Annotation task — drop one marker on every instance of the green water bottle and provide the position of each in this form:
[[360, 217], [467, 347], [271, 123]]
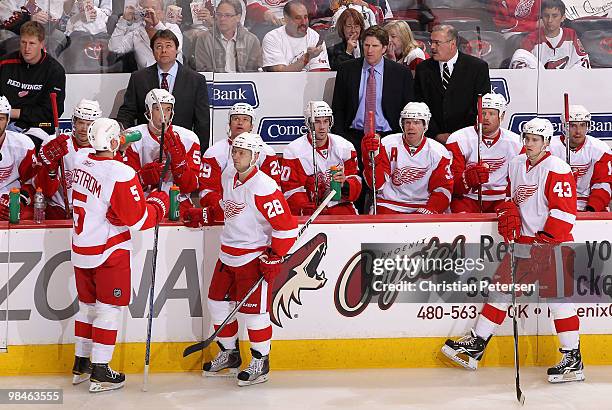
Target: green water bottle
[[335, 185], [174, 203], [130, 136], [14, 206]]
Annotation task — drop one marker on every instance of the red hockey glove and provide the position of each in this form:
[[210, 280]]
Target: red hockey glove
[[509, 221], [475, 175], [150, 173], [161, 201], [542, 250], [197, 217], [310, 187], [270, 265], [370, 143], [4, 207], [53, 152], [424, 211], [174, 147]]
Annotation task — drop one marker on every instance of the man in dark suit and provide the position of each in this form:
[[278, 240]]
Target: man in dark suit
[[449, 83], [188, 87], [393, 90]]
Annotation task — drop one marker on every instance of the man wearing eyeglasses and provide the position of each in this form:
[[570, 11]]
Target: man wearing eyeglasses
[[229, 47], [449, 83]]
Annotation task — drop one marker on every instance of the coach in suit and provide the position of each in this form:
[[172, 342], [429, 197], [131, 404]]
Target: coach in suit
[[191, 110], [449, 83], [394, 90]]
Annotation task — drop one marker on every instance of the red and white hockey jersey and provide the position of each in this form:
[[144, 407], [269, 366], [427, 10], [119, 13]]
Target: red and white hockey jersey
[[496, 153], [50, 186], [105, 190], [256, 217], [297, 166], [567, 53], [591, 165], [406, 181], [545, 194], [515, 15], [217, 158], [146, 150], [18, 163]]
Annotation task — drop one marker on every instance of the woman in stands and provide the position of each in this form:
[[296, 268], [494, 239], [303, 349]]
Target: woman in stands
[[402, 46], [349, 26]]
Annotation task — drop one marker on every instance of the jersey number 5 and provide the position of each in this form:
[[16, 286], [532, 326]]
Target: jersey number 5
[[563, 189], [79, 212], [274, 208]]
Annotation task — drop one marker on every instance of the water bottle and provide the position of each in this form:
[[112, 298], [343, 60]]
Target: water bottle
[[335, 185], [39, 206], [174, 203], [14, 205], [130, 136]]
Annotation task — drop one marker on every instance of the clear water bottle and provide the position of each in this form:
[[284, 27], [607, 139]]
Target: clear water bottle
[[39, 206]]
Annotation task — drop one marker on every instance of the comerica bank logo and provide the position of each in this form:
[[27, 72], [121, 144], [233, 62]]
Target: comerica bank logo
[[499, 86], [224, 94], [281, 130], [601, 123], [65, 126]]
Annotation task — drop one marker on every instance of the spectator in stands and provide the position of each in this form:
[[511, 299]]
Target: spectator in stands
[[229, 47], [515, 16], [87, 18], [402, 46], [294, 46], [191, 110], [263, 15], [136, 28], [449, 83], [557, 47], [370, 14], [27, 77], [349, 26]]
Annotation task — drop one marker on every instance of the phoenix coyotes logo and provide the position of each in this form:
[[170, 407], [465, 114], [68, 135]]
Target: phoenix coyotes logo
[[407, 175], [231, 209], [298, 272], [494, 163], [579, 171], [523, 193], [6, 172]]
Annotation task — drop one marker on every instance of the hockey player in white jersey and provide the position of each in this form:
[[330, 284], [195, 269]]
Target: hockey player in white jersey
[[541, 214], [217, 158], [108, 202], [590, 160], [298, 175], [498, 147], [259, 230], [413, 173], [18, 164], [181, 144], [64, 147]]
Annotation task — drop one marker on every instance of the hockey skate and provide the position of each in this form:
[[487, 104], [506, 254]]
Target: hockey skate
[[104, 378], [81, 370], [225, 364], [466, 351], [257, 372], [569, 369]]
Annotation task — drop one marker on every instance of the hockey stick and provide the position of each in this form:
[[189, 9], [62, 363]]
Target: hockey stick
[[205, 343], [479, 144], [155, 242], [311, 125], [519, 393], [566, 126], [373, 162], [53, 97]]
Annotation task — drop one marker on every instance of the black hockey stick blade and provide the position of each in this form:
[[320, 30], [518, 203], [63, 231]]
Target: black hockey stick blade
[[198, 346], [519, 394]]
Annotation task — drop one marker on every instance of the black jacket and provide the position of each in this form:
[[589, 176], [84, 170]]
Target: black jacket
[[190, 110], [454, 108], [28, 86], [337, 55]]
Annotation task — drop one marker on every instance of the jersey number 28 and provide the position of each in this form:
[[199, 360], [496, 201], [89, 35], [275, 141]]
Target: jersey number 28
[[274, 208]]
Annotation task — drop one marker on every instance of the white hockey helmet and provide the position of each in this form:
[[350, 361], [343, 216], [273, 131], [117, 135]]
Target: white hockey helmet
[[538, 126], [415, 111], [5, 106], [102, 132], [319, 109], [158, 95], [242, 109], [87, 110], [577, 113], [248, 140], [494, 101]]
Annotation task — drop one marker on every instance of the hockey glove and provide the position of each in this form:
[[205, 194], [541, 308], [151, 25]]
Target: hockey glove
[[174, 147], [370, 143], [270, 265], [53, 152], [424, 211], [475, 175], [161, 202], [542, 251], [4, 207], [509, 221], [150, 173], [310, 187], [196, 217]]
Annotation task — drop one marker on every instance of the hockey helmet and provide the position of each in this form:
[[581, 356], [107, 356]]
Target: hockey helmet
[[5, 106], [102, 132], [317, 109], [494, 101], [158, 95], [87, 110], [538, 126], [242, 109], [578, 113], [415, 111], [249, 141]]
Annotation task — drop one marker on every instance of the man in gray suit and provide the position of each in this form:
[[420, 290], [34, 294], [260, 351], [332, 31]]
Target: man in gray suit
[[191, 110]]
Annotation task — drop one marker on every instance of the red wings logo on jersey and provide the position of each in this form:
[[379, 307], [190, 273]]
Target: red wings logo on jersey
[[561, 63], [407, 175], [69, 174], [232, 209], [6, 172], [523, 8], [523, 193], [579, 171], [494, 163]]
